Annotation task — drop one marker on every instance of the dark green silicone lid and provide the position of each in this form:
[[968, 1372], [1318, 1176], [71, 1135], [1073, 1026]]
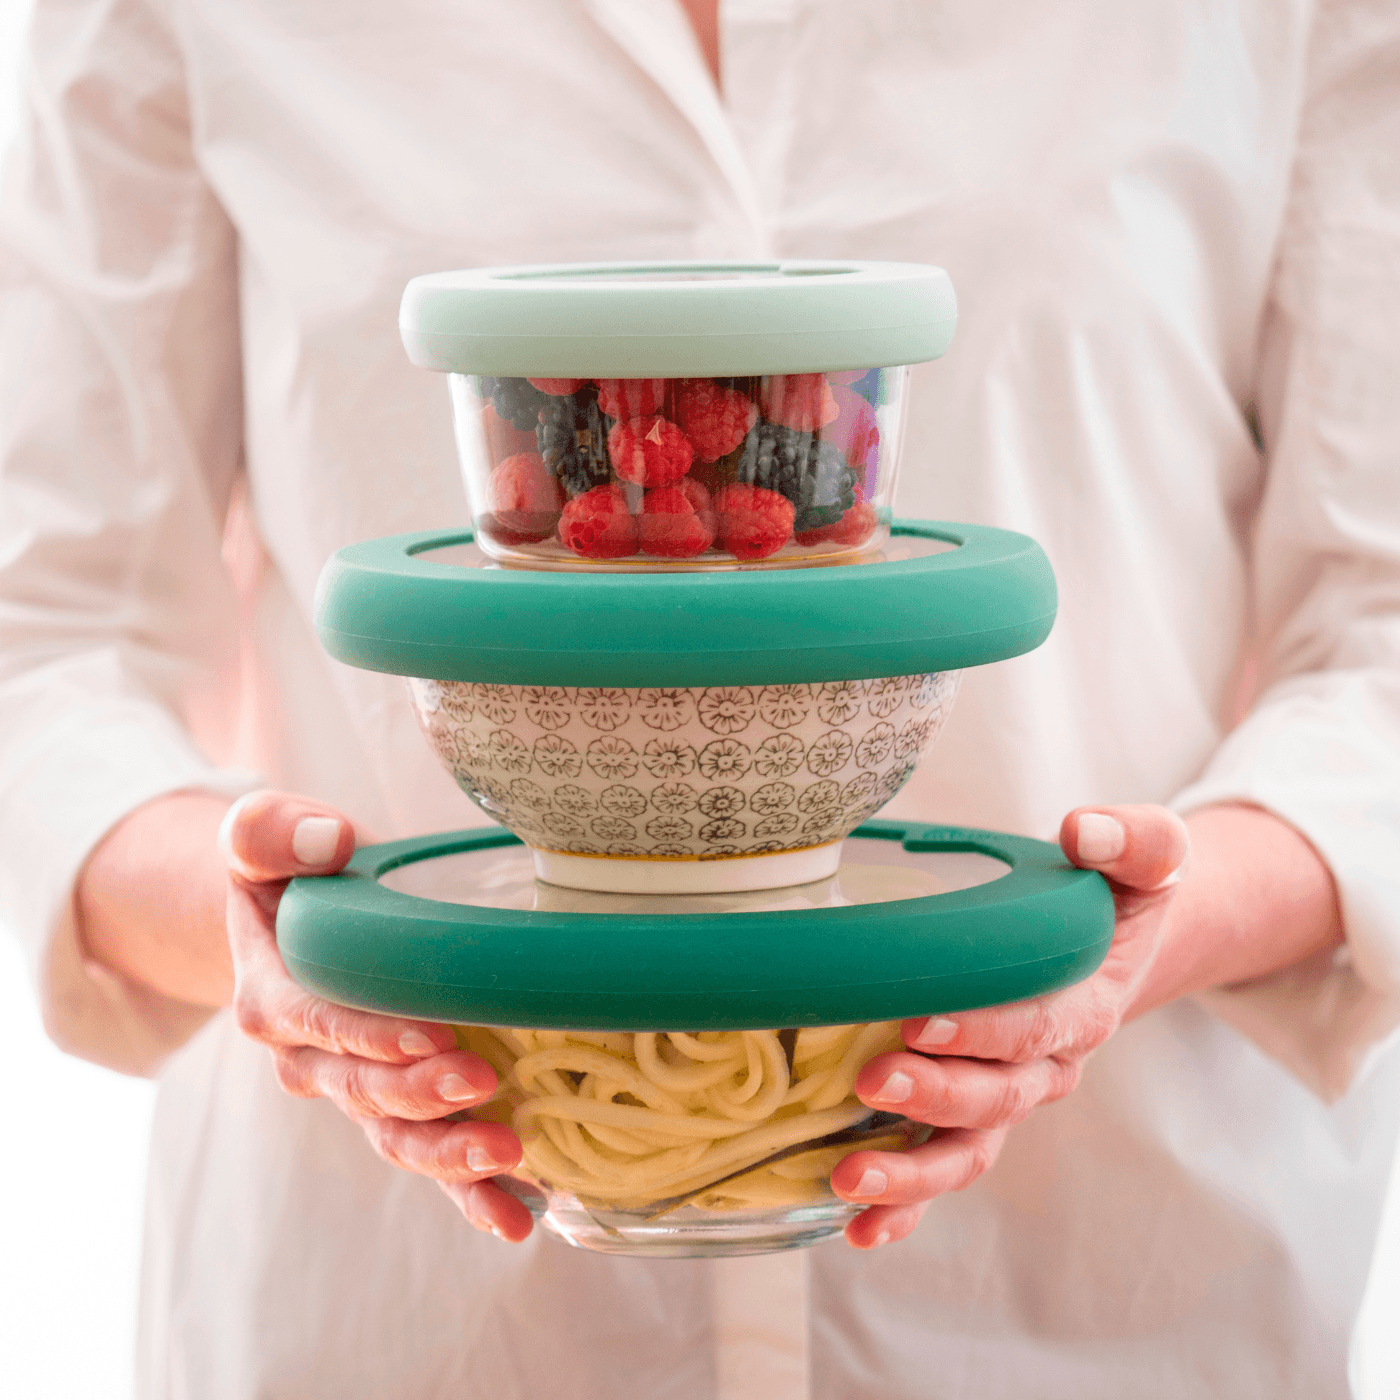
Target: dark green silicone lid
[[1043, 925], [383, 606]]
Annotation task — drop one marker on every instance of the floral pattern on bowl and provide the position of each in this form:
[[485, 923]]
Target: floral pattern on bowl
[[683, 772]]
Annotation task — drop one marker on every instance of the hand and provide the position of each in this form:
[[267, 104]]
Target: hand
[[398, 1079], [984, 1071]]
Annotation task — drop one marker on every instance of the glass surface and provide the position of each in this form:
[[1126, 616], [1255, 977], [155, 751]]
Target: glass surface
[[683, 1145], [672, 1145], [748, 472]]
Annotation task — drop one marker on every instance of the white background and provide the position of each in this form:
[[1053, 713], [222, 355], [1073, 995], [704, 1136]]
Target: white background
[[72, 1159]]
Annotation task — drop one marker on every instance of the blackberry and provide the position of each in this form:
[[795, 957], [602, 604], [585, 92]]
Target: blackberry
[[572, 436], [812, 474], [516, 400]]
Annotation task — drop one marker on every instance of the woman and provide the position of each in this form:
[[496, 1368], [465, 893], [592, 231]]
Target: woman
[[1153, 219]]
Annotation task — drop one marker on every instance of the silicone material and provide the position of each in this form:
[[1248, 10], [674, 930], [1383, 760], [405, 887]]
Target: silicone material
[[382, 607], [1043, 925], [663, 320]]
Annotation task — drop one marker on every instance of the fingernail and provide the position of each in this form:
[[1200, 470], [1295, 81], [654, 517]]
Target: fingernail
[[455, 1089], [1173, 879], [873, 1183], [1100, 838], [898, 1088], [417, 1044], [882, 1238], [314, 840], [479, 1159], [938, 1030], [498, 1232]]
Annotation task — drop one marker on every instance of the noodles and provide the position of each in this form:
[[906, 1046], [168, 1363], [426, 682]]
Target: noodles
[[628, 1121]]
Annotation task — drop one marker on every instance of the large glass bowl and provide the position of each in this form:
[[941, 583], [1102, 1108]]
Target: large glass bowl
[[697, 472], [671, 1144]]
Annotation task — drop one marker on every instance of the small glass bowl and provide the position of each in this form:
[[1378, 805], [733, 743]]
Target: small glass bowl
[[676, 1145], [693, 473]]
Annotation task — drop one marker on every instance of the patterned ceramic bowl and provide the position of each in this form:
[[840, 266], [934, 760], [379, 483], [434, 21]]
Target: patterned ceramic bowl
[[676, 790]]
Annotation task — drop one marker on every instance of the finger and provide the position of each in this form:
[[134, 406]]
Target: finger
[[491, 1209], [270, 1007], [460, 1152], [365, 1088], [1065, 1024], [949, 1161], [1139, 848], [883, 1225], [272, 836], [963, 1093]]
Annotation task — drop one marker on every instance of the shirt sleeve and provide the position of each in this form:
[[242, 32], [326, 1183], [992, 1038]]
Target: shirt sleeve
[[120, 441], [1320, 747]]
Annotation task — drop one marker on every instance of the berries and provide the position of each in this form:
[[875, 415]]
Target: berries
[[715, 419], [557, 387], [516, 400], [854, 528], [856, 434], [524, 500], [677, 467], [812, 474], [631, 398], [753, 522], [572, 438], [799, 401], [598, 524], [503, 438], [649, 451], [677, 522]]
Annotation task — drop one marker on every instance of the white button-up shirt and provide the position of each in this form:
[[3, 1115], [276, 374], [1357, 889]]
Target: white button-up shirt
[[1155, 215]]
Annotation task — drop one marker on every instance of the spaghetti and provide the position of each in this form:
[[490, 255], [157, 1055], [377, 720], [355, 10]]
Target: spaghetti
[[627, 1120]]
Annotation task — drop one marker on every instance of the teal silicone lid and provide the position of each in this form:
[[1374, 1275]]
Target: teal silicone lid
[[384, 606], [1043, 925], [662, 320]]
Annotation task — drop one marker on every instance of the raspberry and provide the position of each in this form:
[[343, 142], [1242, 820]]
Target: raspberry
[[557, 387], [649, 451], [598, 524], [800, 401], [716, 420], [677, 521], [630, 398], [524, 500], [853, 528], [753, 523], [843, 376], [856, 433]]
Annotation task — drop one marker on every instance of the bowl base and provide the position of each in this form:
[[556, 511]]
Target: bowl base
[[678, 875], [690, 1233]]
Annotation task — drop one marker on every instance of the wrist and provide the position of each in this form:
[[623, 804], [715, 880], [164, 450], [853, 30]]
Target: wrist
[[1255, 898], [149, 902]]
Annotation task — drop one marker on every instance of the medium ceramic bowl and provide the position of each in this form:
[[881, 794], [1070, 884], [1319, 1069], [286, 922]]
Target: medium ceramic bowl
[[685, 789]]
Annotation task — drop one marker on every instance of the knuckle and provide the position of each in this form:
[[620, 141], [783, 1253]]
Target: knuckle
[[355, 1096], [1038, 1033], [291, 1079], [1063, 1079], [1014, 1100], [977, 1159], [249, 1014]]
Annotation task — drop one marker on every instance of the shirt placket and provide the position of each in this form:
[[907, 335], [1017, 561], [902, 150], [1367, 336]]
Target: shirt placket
[[657, 36]]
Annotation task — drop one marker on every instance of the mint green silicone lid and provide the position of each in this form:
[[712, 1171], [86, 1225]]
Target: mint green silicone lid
[[663, 320], [1043, 925], [385, 606]]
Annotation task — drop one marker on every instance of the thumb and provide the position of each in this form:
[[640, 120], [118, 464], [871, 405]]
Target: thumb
[[1138, 848], [271, 836]]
